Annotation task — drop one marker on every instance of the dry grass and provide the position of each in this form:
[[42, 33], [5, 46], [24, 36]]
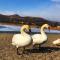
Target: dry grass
[[47, 51]]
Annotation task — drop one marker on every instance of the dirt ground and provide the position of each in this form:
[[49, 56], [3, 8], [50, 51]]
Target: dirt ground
[[48, 51]]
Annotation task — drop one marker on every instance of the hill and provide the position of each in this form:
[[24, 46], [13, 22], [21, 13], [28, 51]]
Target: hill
[[16, 19]]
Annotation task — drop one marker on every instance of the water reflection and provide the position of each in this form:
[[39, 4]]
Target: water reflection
[[17, 28], [9, 28], [1, 27]]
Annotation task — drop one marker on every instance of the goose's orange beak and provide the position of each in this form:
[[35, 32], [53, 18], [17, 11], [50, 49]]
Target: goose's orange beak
[[49, 28]]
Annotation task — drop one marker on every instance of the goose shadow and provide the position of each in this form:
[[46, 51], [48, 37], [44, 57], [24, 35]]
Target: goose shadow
[[43, 50]]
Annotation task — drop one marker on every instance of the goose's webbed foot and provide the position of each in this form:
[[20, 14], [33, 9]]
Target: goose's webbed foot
[[18, 51]]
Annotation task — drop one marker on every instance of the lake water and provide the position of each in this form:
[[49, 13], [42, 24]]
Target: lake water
[[5, 28]]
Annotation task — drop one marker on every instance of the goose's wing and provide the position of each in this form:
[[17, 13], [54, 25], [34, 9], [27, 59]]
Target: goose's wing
[[38, 38], [21, 40]]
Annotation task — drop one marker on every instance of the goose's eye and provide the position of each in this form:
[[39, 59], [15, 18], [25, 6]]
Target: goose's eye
[[45, 28], [26, 30]]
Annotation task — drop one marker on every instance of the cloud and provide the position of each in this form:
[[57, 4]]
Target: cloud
[[21, 13], [7, 12], [51, 13], [58, 5], [55, 0]]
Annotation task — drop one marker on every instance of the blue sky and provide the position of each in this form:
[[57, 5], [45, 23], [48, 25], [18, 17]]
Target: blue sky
[[49, 9]]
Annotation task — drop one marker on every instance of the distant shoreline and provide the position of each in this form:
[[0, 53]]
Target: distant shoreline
[[13, 32], [52, 28]]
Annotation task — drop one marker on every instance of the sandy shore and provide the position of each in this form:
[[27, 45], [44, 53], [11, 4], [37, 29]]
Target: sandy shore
[[48, 51]]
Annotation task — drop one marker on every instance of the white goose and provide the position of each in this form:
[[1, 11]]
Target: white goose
[[23, 39], [56, 42], [40, 38]]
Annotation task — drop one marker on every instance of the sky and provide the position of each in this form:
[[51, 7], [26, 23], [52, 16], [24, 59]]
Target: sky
[[49, 9]]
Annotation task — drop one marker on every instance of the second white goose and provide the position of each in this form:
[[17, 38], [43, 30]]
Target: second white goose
[[40, 38]]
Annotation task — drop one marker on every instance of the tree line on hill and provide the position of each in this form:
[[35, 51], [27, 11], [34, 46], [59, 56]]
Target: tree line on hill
[[16, 19]]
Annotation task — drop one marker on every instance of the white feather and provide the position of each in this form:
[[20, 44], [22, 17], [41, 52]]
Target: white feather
[[56, 42], [40, 38], [21, 40]]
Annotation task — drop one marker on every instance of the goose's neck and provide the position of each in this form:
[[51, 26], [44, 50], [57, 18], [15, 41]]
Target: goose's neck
[[22, 31], [42, 30]]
